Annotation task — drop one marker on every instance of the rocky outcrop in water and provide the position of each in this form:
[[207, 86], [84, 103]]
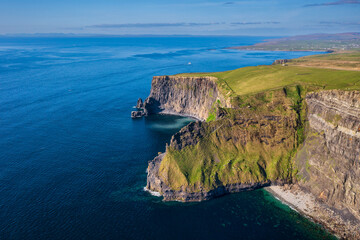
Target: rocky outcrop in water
[[137, 114], [187, 96], [139, 103], [140, 109]]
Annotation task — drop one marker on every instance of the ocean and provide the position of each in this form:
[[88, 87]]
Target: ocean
[[73, 163]]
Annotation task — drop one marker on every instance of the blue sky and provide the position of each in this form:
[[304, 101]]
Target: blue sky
[[197, 17]]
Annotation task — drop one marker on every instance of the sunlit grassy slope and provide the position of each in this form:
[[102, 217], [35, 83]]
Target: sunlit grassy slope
[[303, 71], [340, 61]]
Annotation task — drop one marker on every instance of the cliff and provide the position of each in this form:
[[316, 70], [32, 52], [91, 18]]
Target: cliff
[[265, 126], [285, 136], [247, 148], [189, 96], [329, 161]]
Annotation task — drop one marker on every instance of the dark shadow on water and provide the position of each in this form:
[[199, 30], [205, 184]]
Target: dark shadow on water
[[167, 123]]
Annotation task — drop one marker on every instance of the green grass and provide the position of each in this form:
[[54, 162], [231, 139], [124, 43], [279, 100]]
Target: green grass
[[351, 56], [220, 158], [211, 117], [340, 61], [250, 80]]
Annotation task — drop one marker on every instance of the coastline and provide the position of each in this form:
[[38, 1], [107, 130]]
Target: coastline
[[309, 206], [279, 50], [337, 222], [153, 193]]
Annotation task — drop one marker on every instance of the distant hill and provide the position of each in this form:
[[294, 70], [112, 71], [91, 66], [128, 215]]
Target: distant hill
[[323, 36], [312, 42]]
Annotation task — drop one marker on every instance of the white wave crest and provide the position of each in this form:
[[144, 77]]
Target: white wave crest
[[156, 194]]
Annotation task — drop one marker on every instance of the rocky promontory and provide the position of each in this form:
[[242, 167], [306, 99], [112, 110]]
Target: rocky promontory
[[273, 133], [187, 96], [209, 159]]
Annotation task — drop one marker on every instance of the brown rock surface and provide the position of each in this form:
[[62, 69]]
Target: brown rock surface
[[329, 162], [188, 96]]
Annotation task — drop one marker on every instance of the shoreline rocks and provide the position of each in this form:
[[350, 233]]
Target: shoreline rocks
[[137, 114], [306, 204]]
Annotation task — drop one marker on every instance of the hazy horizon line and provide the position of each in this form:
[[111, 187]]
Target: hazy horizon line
[[54, 34]]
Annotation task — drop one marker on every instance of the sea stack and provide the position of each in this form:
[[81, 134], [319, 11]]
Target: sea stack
[[139, 104], [140, 109]]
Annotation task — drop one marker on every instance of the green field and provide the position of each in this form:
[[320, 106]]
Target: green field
[[250, 80], [346, 56]]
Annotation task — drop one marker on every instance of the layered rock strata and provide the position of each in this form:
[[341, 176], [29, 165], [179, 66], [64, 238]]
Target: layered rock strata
[[329, 161], [187, 96]]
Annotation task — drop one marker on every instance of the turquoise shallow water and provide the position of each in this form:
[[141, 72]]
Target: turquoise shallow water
[[72, 161]]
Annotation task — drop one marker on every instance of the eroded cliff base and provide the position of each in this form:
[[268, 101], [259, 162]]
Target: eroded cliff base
[[156, 184], [341, 224]]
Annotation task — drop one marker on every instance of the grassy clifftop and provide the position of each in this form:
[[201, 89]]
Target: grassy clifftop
[[256, 140], [317, 72]]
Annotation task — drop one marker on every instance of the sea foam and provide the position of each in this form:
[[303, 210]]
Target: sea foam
[[154, 193]]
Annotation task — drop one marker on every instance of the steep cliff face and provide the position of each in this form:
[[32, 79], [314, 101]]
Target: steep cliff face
[[329, 162], [189, 96]]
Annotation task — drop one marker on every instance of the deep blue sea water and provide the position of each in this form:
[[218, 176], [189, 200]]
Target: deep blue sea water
[[72, 161]]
